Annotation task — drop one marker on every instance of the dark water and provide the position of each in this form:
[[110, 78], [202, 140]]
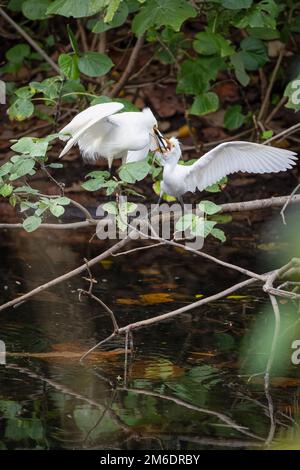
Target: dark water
[[187, 384]]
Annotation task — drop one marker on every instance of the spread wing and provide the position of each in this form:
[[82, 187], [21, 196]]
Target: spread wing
[[237, 156], [84, 121]]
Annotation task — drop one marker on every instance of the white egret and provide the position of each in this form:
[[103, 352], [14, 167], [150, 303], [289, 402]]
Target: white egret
[[100, 131], [226, 158]]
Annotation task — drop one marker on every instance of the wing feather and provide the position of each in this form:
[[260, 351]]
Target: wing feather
[[232, 157], [85, 120]]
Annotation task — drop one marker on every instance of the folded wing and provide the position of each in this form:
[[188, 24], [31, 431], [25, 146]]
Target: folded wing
[[92, 118], [237, 156]]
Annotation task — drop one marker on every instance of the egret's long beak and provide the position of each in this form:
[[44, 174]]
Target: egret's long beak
[[162, 147]]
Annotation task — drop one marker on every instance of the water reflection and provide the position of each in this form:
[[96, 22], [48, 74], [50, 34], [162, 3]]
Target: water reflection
[[187, 385]]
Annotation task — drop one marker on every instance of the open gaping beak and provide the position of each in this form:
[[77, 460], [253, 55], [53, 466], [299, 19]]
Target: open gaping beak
[[161, 142]]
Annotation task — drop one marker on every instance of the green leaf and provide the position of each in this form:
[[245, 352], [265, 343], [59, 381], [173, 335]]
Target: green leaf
[[35, 9], [94, 64], [6, 190], [219, 234], [239, 68], [209, 207], [254, 53], [111, 207], [55, 165], [73, 40], [94, 184], [208, 43], [234, 118], [135, 171], [113, 6], [18, 53], [31, 146], [68, 64], [62, 200], [26, 189], [21, 109], [119, 18], [194, 75], [21, 168], [32, 223], [217, 187], [25, 92], [205, 104], [236, 4], [162, 13], [292, 92], [99, 174], [76, 8], [5, 169], [56, 210]]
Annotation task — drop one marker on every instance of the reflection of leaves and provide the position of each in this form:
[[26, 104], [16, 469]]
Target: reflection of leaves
[[18, 429], [87, 418], [9, 408]]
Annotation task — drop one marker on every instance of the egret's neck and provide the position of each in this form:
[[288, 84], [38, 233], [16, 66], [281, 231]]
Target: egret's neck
[[171, 161]]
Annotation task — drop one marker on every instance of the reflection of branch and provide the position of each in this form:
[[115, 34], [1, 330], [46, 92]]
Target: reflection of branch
[[192, 407], [219, 442]]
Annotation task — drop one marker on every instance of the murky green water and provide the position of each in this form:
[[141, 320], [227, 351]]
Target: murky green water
[[187, 385]]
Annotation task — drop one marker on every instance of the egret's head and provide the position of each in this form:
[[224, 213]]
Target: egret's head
[[173, 152], [149, 118]]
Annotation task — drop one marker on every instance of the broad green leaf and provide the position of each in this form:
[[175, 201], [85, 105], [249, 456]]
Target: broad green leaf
[[205, 104], [113, 6], [62, 200], [26, 189], [18, 53], [208, 43], [68, 64], [32, 223], [25, 92], [21, 109], [31, 146], [209, 207], [135, 171], [94, 184], [159, 13], [254, 53], [99, 174], [292, 92], [194, 75], [119, 18], [21, 168], [239, 68], [219, 234], [35, 9], [94, 64], [234, 118], [6, 190], [111, 207], [5, 169], [57, 210], [76, 8]]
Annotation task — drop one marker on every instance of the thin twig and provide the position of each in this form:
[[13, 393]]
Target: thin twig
[[33, 44], [128, 69]]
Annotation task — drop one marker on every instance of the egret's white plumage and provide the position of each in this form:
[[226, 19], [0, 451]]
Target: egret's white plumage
[[226, 158], [100, 131]]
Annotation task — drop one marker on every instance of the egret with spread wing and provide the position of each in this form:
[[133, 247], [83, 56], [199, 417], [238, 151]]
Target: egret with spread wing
[[223, 160], [101, 131]]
